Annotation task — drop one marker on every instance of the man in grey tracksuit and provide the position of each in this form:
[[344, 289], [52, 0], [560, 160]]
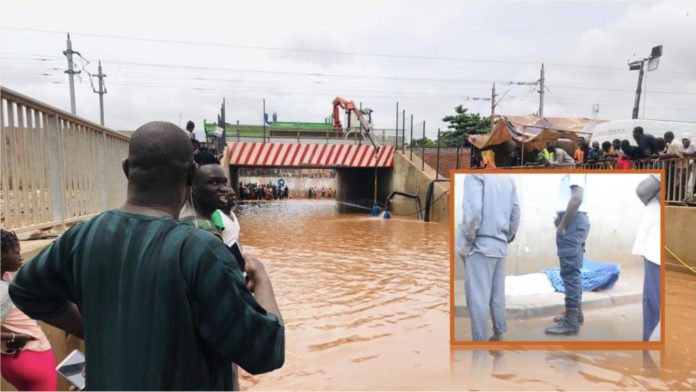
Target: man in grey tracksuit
[[491, 218]]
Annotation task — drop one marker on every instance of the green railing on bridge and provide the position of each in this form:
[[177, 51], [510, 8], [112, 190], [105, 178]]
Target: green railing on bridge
[[57, 168]]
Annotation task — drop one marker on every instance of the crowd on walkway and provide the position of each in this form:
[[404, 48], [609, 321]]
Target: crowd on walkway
[[285, 173], [254, 191], [323, 193], [678, 157], [622, 152]]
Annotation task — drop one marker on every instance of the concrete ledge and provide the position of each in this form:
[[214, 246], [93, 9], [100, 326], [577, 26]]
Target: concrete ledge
[[31, 248], [628, 290]]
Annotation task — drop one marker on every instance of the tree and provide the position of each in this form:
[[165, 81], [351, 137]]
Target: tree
[[463, 124], [422, 142]]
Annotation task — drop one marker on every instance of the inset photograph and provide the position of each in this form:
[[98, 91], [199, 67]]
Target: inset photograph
[[540, 257]]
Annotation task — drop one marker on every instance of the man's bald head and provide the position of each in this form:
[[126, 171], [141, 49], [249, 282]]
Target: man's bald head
[[160, 157]]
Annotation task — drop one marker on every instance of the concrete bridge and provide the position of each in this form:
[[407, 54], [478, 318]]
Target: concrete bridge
[[360, 168]]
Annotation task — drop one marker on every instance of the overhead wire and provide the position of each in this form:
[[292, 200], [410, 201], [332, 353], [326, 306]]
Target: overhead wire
[[332, 52]]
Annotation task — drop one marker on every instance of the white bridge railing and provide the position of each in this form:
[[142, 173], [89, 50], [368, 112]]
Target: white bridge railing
[[56, 168]]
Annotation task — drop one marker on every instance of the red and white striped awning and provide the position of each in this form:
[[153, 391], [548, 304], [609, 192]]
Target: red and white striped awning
[[308, 155]]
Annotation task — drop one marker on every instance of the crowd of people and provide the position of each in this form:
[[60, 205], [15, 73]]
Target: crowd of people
[[284, 173], [159, 288], [324, 193], [622, 152], [254, 191]]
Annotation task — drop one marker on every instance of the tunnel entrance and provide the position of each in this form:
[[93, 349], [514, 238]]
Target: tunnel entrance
[[301, 183]]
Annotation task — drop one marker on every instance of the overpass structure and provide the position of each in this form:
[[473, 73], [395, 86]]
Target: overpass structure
[[363, 172], [294, 155]]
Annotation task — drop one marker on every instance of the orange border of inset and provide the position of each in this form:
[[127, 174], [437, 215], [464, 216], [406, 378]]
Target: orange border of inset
[[560, 345]]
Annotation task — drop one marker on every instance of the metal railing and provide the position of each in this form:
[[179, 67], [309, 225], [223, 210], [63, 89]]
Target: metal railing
[[680, 174], [381, 136], [56, 168]]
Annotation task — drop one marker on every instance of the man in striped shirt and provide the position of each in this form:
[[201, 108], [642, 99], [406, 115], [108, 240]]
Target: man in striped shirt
[[161, 304]]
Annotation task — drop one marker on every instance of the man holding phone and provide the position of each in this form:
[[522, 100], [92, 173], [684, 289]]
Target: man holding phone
[[161, 305]]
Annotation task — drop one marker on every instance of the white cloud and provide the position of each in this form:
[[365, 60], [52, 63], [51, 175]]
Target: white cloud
[[296, 84]]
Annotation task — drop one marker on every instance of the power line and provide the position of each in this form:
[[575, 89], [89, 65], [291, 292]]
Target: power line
[[372, 77], [332, 52]]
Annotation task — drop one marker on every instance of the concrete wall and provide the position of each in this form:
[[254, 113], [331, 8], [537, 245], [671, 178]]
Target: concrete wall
[[448, 158], [680, 233], [408, 177], [614, 212], [356, 186]]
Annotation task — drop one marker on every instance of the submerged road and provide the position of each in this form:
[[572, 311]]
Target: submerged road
[[366, 306]]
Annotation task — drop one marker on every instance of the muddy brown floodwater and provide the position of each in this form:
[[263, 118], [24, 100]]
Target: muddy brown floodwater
[[366, 306]]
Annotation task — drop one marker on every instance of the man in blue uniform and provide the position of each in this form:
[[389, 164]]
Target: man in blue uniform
[[572, 228]]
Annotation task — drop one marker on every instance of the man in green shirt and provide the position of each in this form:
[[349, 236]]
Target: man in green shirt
[[161, 305]]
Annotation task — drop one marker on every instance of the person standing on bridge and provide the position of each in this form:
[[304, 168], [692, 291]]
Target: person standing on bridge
[[28, 362], [189, 130], [491, 218], [165, 305], [210, 206]]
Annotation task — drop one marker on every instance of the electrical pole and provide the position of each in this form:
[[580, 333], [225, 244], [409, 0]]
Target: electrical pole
[[68, 53], [102, 91], [541, 92], [492, 105]]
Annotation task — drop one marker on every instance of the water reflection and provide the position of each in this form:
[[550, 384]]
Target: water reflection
[[578, 370], [365, 301]]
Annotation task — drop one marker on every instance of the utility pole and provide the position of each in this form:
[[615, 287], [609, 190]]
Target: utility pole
[[403, 132], [541, 92], [102, 91], [492, 105], [68, 53]]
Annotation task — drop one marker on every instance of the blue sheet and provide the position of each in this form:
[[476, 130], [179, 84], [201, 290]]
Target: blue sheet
[[596, 275]]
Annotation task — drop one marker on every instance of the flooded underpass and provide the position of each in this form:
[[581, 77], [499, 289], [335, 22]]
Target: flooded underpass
[[366, 306]]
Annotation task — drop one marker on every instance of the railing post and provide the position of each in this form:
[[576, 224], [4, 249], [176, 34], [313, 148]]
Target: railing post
[[410, 141], [55, 168], [103, 172], [437, 164], [423, 148]]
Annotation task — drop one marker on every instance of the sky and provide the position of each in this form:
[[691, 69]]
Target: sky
[[176, 61]]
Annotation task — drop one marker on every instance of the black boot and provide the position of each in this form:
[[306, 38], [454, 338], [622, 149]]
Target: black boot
[[569, 325], [560, 317]]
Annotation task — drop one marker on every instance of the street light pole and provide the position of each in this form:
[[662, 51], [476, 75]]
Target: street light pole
[[636, 102], [639, 65]]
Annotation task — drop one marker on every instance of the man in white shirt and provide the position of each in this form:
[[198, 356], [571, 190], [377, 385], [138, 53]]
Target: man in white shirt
[[572, 229], [687, 150], [560, 155], [647, 245]]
